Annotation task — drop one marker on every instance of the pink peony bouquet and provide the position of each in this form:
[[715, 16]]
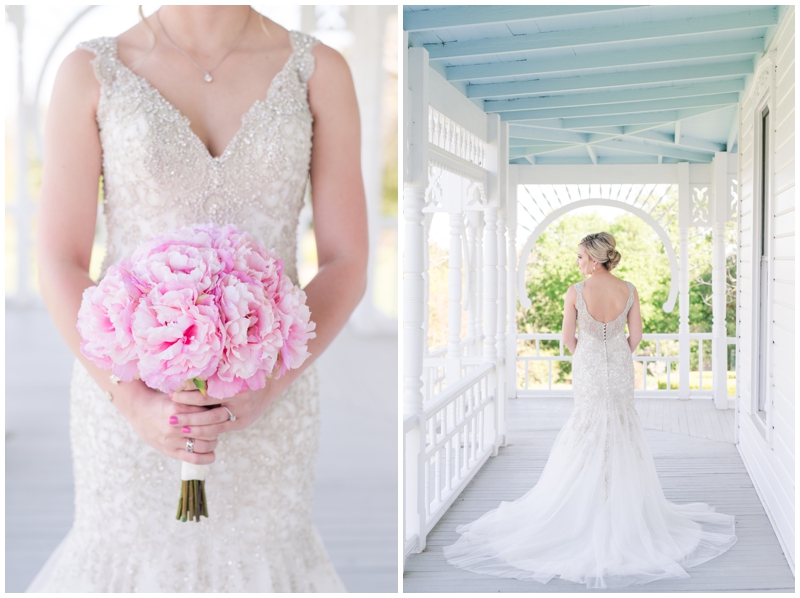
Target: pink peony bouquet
[[201, 306]]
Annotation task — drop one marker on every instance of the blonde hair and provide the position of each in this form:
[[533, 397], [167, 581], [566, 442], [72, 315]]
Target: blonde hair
[[601, 248]]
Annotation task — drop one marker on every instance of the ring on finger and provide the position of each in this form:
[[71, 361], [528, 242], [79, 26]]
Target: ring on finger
[[190, 445], [231, 416]]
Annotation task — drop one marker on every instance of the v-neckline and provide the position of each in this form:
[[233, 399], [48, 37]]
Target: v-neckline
[[185, 119], [624, 309]]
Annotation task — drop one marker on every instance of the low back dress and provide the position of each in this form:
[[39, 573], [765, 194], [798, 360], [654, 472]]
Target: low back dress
[[598, 515]]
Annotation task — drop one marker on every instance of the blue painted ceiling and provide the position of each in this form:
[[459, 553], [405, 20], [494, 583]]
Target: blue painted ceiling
[[600, 84]]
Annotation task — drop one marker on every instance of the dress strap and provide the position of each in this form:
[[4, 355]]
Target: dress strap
[[629, 304], [105, 51], [302, 44]]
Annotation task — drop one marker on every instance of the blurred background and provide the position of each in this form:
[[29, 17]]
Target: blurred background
[[356, 484]]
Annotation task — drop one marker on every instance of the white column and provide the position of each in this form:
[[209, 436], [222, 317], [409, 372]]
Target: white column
[[718, 212], [415, 115], [23, 207], [471, 285], [368, 24], [502, 282], [684, 222], [490, 284], [454, 295], [511, 285], [479, 285]]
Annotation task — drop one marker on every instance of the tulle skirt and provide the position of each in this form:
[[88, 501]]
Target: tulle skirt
[[597, 516]]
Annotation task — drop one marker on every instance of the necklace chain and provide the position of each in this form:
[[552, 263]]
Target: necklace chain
[[207, 78]]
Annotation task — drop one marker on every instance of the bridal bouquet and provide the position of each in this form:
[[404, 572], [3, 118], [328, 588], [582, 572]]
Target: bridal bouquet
[[201, 307]]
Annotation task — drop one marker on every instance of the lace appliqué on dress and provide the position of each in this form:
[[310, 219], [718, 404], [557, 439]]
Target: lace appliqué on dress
[[597, 515], [259, 536]]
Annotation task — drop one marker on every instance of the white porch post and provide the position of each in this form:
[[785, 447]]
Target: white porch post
[[684, 222], [414, 186], [23, 208], [718, 212], [471, 273], [502, 364], [511, 284], [454, 295]]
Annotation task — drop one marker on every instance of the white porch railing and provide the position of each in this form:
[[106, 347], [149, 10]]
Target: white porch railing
[[455, 433], [655, 362]]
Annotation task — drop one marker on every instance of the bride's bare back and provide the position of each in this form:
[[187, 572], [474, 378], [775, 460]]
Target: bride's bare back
[[605, 297]]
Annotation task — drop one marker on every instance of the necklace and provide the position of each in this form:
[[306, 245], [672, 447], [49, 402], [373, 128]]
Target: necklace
[[208, 78]]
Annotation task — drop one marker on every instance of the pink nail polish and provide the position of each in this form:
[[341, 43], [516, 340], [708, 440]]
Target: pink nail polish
[[173, 420], [186, 429]]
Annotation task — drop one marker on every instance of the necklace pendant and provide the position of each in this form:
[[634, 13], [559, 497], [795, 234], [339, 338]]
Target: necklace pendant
[[208, 78]]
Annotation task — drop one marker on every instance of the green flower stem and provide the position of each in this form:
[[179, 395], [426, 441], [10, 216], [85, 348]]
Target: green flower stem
[[185, 499]]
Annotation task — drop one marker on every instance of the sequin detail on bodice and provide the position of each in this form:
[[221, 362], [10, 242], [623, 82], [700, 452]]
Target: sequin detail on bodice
[[158, 175], [259, 536]]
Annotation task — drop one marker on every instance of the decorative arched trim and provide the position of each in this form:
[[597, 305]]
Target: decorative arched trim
[[668, 306]]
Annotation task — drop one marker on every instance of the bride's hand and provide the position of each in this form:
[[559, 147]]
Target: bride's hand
[[212, 421], [151, 414]]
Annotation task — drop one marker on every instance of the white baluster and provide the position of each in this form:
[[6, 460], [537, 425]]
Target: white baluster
[[471, 286], [684, 222], [454, 291], [490, 285]]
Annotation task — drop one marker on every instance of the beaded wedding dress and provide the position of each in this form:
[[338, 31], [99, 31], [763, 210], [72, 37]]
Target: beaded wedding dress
[[259, 537], [597, 515]]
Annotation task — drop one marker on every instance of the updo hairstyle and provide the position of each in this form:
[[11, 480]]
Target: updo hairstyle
[[601, 248]]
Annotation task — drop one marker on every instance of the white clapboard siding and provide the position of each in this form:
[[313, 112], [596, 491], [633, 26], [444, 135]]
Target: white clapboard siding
[[770, 461]]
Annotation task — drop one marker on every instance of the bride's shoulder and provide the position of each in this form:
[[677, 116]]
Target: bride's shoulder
[[330, 84], [76, 81]]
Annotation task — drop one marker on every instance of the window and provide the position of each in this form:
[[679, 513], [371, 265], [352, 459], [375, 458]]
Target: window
[[762, 264]]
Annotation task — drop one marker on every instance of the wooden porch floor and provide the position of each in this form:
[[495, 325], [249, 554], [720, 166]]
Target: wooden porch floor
[[696, 461], [355, 498]]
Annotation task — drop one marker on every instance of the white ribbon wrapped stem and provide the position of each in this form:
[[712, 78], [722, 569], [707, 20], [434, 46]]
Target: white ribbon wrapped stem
[[190, 471]]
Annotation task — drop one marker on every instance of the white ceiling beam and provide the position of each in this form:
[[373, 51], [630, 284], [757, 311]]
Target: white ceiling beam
[[690, 142], [623, 79], [594, 60], [570, 38], [721, 99], [461, 16], [538, 150], [653, 136], [545, 134], [644, 118], [592, 155], [656, 150], [520, 143], [611, 97]]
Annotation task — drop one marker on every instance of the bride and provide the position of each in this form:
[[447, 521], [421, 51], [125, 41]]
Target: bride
[[597, 515], [198, 114]]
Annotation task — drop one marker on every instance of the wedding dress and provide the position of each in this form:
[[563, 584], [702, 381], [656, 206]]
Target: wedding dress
[[597, 515], [158, 175]]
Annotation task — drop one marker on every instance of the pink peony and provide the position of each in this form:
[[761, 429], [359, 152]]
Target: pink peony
[[104, 322], [172, 262], [178, 335], [201, 302], [296, 326], [253, 338]]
